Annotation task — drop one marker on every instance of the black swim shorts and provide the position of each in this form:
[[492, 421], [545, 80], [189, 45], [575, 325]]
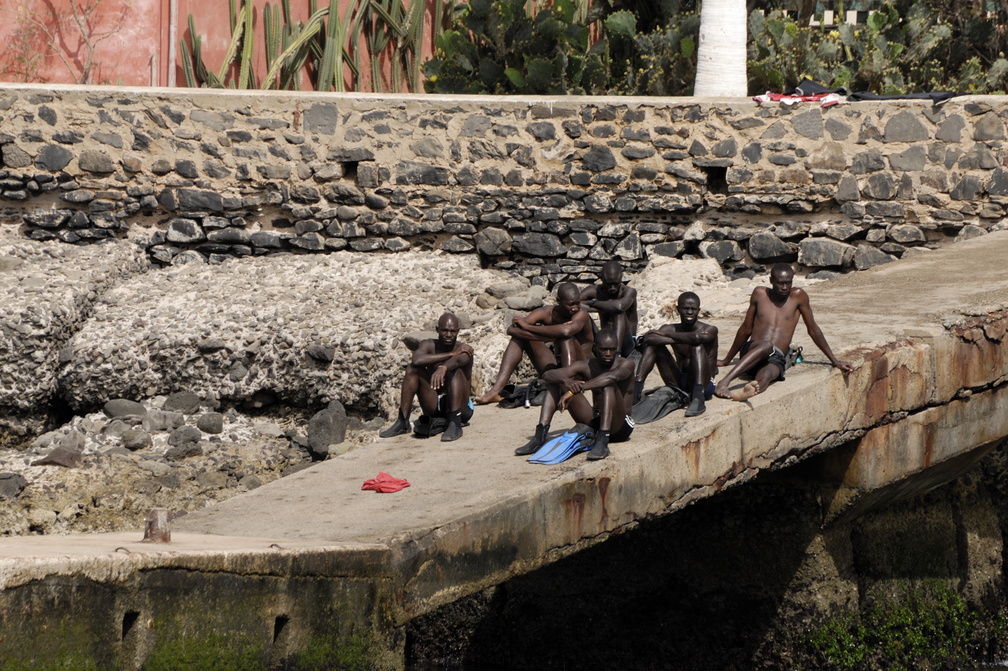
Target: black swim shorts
[[621, 433], [467, 408], [776, 357]]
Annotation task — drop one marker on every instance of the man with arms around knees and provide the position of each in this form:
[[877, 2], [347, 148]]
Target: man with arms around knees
[[766, 332], [609, 377], [440, 376], [565, 325], [686, 354], [615, 303]]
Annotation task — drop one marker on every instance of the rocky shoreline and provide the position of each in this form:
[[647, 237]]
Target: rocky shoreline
[[231, 374]]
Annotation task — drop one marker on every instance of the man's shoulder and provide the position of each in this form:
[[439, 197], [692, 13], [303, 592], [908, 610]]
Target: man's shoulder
[[799, 296]]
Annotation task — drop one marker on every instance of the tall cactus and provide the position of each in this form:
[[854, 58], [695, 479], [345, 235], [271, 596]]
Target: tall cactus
[[332, 48]]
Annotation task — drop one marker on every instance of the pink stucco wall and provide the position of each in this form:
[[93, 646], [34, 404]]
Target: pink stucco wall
[[136, 50]]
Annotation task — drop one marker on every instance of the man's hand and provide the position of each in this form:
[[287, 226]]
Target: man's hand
[[723, 362], [572, 390], [844, 367], [520, 322], [462, 348], [438, 376]]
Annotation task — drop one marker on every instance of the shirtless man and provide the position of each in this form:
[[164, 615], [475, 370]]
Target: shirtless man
[[766, 332], [440, 376], [615, 303], [608, 376], [564, 324], [694, 346]]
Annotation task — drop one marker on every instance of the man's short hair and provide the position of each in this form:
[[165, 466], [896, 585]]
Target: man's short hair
[[606, 334], [612, 267], [686, 295], [568, 288], [782, 268], [448, 316]]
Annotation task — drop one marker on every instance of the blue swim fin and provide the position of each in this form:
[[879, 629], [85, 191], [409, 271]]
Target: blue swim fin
[[564, 446]]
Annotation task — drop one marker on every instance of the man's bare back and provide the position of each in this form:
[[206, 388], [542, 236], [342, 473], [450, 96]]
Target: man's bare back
[[766, 333]]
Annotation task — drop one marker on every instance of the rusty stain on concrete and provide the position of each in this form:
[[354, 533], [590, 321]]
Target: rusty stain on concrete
[[575, 506], [603, 488]]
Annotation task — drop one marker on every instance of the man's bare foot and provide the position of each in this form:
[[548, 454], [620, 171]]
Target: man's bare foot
[[487, 398], [746, 392], [721, 390]]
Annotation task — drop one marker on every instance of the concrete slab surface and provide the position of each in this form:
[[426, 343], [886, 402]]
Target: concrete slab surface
[[456, 485]]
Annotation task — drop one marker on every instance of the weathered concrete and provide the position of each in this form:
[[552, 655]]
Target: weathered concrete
[[925, 336]]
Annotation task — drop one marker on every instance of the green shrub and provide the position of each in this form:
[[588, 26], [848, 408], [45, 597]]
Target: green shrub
[[929, 627], [503, 47]]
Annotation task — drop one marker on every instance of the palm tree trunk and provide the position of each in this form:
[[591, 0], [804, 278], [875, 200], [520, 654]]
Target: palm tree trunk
[[721, 55]]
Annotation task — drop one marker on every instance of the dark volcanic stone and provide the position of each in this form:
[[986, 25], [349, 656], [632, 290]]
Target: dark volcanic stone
[[822, 252], [53, 157], [808, 124], [185, 231], [966, 189], [210, 422], [538, 244], [410, 172], [121, 407], [765, 246], [321, 118], [61, 456], [868, 256], [184, 450], [326, 427], [95, 161], [598, 159], [11, 485], [184, 434], [200, 199], [182, 401], [136, 439], [904, 127], [493, 242], [951, 129]]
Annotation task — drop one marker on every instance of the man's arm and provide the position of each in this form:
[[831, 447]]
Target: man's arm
[[669, 335], [618, 373], [805, 309], [566, 377], [425, 356], [743, 333], [520, 325], [617, 305], [559, 331], [461, 357]]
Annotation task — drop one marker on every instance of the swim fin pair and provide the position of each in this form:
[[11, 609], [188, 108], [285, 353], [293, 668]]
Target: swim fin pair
[[564, 446]]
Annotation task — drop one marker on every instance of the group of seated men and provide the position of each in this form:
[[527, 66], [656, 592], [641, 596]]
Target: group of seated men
[[589, 358]]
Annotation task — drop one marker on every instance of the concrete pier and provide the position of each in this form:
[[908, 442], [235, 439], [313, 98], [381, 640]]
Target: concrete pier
[[310, 565]]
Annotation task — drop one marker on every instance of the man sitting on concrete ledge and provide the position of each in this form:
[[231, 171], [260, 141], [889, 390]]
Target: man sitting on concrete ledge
[[564, 324], [440, 376], [765, 335], [608, 376], [686, 354], [615, 303]]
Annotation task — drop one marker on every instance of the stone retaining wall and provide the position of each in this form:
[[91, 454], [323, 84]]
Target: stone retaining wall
[[550, 187]]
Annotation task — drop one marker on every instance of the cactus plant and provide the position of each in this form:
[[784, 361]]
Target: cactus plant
[[332, 48]]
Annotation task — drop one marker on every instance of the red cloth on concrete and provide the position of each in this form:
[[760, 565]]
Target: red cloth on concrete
[[384, 484]]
